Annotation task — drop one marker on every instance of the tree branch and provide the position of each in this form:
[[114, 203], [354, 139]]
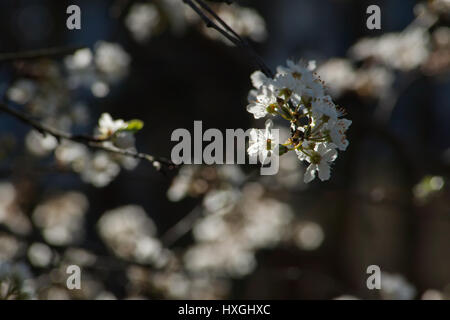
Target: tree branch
[[203, 10], [92, 142], [39, 53]]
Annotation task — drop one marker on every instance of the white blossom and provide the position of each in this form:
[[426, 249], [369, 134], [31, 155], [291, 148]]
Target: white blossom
[[262, 142], [337, 131], [324, 106], [264, 100], [320, 160], [107, 126]]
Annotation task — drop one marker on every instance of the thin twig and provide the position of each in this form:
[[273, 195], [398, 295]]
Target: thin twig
[[182, 227], [209, 23], [44, 129], [89, 141], [39, 53], [223, 28]]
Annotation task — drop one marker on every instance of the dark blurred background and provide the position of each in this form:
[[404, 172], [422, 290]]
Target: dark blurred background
[[369, 212]]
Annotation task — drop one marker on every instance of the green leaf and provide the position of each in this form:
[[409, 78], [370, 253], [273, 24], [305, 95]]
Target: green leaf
[[134, 125]]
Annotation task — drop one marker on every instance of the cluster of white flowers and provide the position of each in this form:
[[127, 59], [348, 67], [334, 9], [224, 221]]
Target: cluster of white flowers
[[297, 95]]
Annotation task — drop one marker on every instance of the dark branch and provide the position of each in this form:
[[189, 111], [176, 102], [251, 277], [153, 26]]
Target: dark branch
[[203, 10], [39, 53], [89, 141]]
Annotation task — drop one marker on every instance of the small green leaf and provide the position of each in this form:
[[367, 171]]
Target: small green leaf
[[134, 125]]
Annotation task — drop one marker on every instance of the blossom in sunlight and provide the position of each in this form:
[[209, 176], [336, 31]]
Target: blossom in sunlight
[[265, 102], [320, 159], [297, 95], [324, 106], [107, 126], [119, 132], [337, 130]]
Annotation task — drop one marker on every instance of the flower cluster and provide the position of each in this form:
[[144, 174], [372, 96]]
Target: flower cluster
[[297, 95]]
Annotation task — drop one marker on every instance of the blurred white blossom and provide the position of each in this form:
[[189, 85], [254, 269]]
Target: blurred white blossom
[[39, 144], [22, 91], [61, 218], [39, 254], [396, 287], [405, 51], [111, 59], [100, 170], [130, 233], [141, 20]]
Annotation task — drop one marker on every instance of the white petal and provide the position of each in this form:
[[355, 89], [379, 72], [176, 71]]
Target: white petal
[[253, 149], [259, 79], [252, 96], [345, 123], [269, 124], [257, 109], [330, 155], [324, 171], [310, 173]]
